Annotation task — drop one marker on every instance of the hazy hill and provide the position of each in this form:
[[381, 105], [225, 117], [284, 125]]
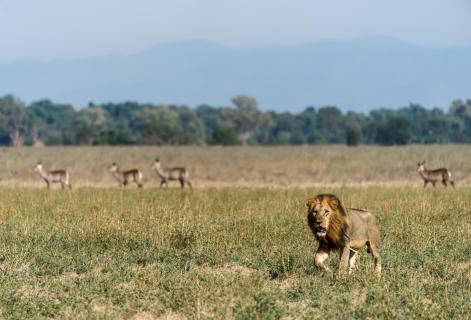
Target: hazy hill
[[357, 75]]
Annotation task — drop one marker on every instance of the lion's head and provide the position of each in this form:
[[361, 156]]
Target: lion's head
[[325, 215]]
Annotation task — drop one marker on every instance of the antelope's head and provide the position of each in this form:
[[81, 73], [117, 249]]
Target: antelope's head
[[113, 168], [421, 166], [38, 167], [156, 163], [321, 210]]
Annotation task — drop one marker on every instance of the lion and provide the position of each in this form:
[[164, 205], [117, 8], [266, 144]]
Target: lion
[[344, 230]]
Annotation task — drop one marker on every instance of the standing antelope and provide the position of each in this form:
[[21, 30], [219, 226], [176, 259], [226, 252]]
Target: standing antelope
[[171, 174], [54, 176], [435, 175], [126, 177]]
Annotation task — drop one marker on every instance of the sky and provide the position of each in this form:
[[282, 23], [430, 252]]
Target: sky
[[59, 29]]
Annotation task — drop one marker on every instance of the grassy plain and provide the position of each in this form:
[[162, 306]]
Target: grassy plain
[[238, 245], [224, 253], [304, 166]]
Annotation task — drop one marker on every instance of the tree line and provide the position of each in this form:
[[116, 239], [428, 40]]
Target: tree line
[[127, 123]]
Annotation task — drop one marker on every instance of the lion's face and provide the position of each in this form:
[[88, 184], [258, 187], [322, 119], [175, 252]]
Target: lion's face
[[322, 208]]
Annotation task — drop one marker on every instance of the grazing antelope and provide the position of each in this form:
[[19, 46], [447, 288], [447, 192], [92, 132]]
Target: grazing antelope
[[126, 177], [54, 176], [435, 175], [171, 174]]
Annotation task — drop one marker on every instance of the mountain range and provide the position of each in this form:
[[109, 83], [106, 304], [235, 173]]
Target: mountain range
[[355, 75]]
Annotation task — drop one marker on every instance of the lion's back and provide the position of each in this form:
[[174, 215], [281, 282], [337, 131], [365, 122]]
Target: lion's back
[[364, 225]]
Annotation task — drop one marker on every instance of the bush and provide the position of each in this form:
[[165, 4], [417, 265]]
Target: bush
[[158, 132], [353, 136], [395, 131], [54, 141], [225, 136]]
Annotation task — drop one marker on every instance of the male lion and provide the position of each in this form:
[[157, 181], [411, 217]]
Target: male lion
[[345, 230]]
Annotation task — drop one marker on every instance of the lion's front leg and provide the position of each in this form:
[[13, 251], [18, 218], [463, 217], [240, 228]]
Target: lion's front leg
[[344, 257], [321, 256], [352, 260]]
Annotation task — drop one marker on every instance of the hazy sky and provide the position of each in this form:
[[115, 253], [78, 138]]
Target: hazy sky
[[48, 29]]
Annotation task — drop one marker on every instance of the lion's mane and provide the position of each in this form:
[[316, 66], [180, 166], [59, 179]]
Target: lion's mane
[[335, 237]]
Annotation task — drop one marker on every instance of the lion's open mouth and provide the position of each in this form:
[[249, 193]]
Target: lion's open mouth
[[321, 232]]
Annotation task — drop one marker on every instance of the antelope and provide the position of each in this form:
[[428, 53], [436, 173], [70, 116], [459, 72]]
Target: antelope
[[54, 176], [171, 174], [126, 177], [435, 175]]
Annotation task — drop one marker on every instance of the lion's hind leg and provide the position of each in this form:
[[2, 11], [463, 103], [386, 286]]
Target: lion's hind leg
[[375, 252], [319, 259]]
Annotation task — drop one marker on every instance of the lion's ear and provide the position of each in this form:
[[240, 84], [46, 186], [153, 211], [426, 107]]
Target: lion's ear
[[311, 203], [334, 203]]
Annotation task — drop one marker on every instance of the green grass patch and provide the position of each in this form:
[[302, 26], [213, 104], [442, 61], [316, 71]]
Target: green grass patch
[[226, 253]]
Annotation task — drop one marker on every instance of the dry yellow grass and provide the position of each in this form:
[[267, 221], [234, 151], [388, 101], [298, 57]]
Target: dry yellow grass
[[302, 166]]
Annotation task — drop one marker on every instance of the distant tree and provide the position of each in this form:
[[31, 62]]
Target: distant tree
[[83, 134], [49, 121], [95, 117], [158, 133], [244, 123], [225, 136], [329, 117], [245, 103], [297, 138], [122, 114], [285, 125], [307, 124], [460, 108], [54, 141], [330, 125], [13, 119], [353, 136], [395, 131], [191, 127], [114, 137], [283, 137], [247, 119]]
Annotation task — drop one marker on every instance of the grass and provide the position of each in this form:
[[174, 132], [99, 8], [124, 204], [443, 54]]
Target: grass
[[223, 253], [303, 166]]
